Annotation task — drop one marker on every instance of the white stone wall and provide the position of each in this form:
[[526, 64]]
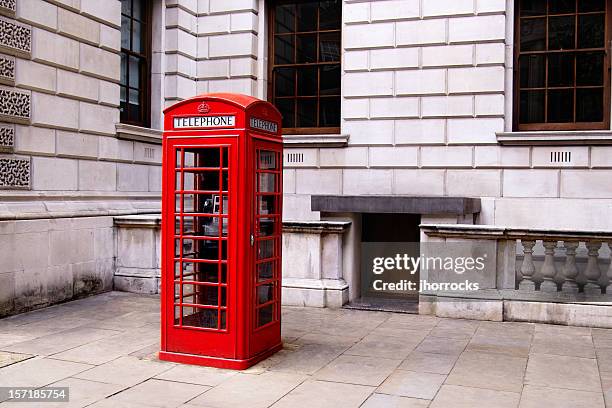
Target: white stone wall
[[211, 46], [425, 87]]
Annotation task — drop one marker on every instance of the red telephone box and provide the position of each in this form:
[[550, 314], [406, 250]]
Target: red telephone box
[[221, 231]]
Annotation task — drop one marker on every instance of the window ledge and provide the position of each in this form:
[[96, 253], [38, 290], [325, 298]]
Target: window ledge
[[579, 137], [141, 134], [315, 140]]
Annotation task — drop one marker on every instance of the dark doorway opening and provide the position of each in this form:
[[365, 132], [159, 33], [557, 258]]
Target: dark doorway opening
[[388, 235]]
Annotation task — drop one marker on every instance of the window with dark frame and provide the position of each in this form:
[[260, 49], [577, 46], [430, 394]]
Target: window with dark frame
[[562, 78], [305, 64], [135, 102]]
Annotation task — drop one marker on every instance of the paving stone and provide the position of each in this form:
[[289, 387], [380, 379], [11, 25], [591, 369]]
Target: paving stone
[[37, 372], [126, 371], [518, 346], [197, 375], [248, 390], [322, 394], [393, 401], [58, 342], [159, 393], [454, 329], [384, 346], [563, 344], [563, 372], [534, 396], [6, 358], [429, 362], [484, 370], [308, 358], [453, 396], [440, 345], [358, 370], [412, 384], [554, 329]]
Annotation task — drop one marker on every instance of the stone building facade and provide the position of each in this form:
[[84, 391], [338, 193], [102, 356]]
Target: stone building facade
[[427, 92]]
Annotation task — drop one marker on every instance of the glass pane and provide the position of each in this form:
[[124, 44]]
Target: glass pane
[[329, 112], [201, 203], [124, 69], [591, 31], [223, 322], [202, 226], [533, 34], [209, 157], [330, 13], [284, 49], [329, 47], [560, 69], [266, 227], [265, 293], [200, 317], [123, 95], [126, 7], [134, 97], [561, 33], [134, 72], [265, 271], [306, 45], [203, 180], [589, 105], [307, 81], [134, 112], [307, 16], [284, 19], [265, 315], [125, 32], [307, 112], [201, 272], [585, 6], [561, 6], [561, 106], [267, 160], [284, 82], [330, 80], [265, 249], [138, 9], [590, 68], [532, 71], [266, 182], [533, 7], [287, 110], [267, 205], [137, 36], [532, 107]]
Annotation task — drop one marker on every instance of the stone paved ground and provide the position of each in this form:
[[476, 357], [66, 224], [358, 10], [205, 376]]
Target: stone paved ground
[[103, 348]]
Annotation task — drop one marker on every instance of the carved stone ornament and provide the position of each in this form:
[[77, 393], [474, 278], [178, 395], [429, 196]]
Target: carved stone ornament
[[15, 38], [14, 173], [15, 106], [8, 7], [7, 137], [7, 69]]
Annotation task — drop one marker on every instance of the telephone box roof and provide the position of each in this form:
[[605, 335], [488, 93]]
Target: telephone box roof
[[239, 100]]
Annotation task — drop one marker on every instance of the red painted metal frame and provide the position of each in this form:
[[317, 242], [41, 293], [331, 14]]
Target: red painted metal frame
[[240, 343]]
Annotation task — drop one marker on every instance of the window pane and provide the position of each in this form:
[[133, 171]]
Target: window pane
[[306, 48], [307, 16], [265, 271], [134, 72], [287, 110], [591, 31], [285, 19], [307, 112], [330, 15], [533, 7], [124, 69], [561, 6], [330, 80], [125, 32], [532, 71], [307, 81], [137, 11], [585, 6], [329, 112], [123, 94], [126, 7], [561, 33], [265, 315], [533, 34], [284, 49], [560, 70], [590, 68], [137, 36], [589, 105], [329, 47], [134, 97], [561, 106], [532, 107], [265, 293], [284, 82]]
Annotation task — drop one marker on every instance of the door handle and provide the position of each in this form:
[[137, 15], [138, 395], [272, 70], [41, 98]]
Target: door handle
[[252, 240]]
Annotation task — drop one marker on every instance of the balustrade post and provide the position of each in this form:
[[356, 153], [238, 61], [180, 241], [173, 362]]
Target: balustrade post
[[527, 268], [592, 271], [548, 268], [570, 270]]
